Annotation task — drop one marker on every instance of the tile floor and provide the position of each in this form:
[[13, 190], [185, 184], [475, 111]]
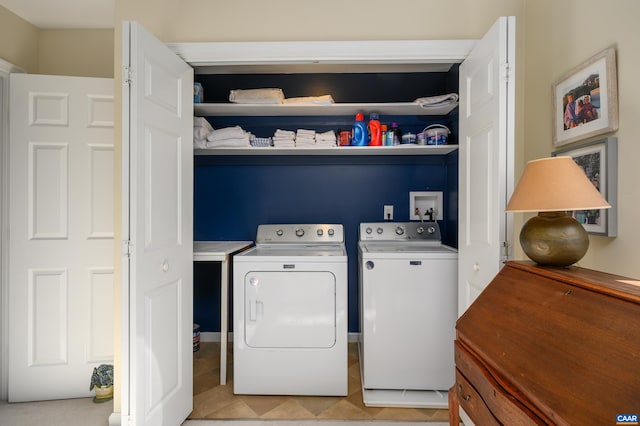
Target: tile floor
[[213, 401]]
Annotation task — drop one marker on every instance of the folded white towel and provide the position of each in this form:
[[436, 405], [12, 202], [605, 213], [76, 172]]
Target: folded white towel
[[201, 132], [437, 101], [284, 144], [199, 143], [305, 132], [310, 100], [235, 132], [326, 136], [284, 133], [256, 96], [202, 122], [229, 143]]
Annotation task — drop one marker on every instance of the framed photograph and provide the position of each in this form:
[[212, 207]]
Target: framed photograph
[[585, 100], [599, 160]]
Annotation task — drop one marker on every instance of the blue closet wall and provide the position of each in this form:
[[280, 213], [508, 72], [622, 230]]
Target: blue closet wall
[[234, 194]]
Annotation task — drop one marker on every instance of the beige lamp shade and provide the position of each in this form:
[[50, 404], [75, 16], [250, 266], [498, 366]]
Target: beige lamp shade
[[555, 184]]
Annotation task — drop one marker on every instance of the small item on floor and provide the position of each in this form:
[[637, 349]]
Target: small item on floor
[[102, 383]]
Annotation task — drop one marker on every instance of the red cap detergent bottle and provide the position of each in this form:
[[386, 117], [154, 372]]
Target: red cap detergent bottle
[[375, 130]]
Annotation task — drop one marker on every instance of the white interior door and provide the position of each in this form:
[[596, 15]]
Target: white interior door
[[158, 203], [61, 241], [487, 99]]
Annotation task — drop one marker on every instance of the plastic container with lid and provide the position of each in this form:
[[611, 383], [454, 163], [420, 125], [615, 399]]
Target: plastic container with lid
[[437, 134], [359, 135], [408, 138]]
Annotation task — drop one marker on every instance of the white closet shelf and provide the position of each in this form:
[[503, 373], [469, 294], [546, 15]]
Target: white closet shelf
[[408, 149], [383, 108]]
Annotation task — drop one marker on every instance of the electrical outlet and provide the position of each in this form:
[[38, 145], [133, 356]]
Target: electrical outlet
[[388, 212]]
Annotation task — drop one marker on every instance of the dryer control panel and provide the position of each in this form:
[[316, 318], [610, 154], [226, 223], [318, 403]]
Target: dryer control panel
[[300, 233], [400, 231]]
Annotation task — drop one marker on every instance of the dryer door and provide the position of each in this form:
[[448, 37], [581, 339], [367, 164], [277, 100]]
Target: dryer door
[[287, 309]]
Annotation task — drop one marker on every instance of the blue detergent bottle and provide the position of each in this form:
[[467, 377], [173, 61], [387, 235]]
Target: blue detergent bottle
[[360, 136]]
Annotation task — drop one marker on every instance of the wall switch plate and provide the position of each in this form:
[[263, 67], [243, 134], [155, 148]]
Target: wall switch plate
[[388, 212]]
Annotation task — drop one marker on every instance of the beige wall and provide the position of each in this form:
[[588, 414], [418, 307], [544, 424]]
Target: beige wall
[[575, 30], [85, 53], [18, 41], [248, 20]]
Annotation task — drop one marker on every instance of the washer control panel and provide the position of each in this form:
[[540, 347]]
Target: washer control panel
[[300, 233], [400, 231]]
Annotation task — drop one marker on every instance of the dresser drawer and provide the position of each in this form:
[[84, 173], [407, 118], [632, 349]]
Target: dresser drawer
[[474, 382], [471, 402]]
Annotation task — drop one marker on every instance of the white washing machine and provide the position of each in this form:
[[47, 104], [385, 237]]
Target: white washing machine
[[290, 312], [408, 306]]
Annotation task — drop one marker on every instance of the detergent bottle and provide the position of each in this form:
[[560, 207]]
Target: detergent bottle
[[375, 130], [359, 137]]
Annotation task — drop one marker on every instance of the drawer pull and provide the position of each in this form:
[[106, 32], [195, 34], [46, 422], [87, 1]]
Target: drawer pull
[[465, 397]]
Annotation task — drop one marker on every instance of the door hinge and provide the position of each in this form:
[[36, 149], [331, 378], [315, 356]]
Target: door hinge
[[126, 75], [127, 248], [505, 250], [506, 72]]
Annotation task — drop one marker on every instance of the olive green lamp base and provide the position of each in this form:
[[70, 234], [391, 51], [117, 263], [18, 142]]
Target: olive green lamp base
[[554, 239]]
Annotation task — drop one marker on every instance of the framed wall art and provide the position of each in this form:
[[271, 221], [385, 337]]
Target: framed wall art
[[599, 160], [585, 100]]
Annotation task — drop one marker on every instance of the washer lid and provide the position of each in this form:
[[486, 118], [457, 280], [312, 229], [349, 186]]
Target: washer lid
[[407, 250]]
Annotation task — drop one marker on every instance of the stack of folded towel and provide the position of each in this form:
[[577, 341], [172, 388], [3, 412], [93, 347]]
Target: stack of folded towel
[[284, 138], [256, 96], [438, 101], [201, 129], [326, 139], [228, 137], [310, 100], [305, 138]]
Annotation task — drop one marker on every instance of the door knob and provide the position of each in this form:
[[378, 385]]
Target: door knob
[[165, 266]]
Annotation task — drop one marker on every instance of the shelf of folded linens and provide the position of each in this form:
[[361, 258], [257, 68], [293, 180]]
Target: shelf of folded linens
[[274, 110], [408, 149]]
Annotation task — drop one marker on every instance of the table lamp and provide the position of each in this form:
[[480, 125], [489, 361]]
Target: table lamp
[[553, 187]]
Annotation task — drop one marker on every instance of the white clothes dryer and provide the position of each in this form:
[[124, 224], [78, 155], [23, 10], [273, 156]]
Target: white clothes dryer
[[408, 305], [290, 312]]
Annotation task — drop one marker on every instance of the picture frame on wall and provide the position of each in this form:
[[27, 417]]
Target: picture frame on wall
[[599, 160], [585, 100]]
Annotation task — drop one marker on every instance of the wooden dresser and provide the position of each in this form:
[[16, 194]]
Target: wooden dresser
[[546, 345]]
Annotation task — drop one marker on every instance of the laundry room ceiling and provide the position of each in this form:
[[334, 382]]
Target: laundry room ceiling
[[48, 14]]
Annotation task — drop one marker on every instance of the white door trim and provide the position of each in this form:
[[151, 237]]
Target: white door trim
[[6, 68]]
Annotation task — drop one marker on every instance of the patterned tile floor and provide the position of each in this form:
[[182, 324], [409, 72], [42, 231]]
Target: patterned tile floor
[[213, 401]]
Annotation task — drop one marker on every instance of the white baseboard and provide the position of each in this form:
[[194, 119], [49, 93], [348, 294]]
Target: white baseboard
[[211, 336], [114, 419]]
